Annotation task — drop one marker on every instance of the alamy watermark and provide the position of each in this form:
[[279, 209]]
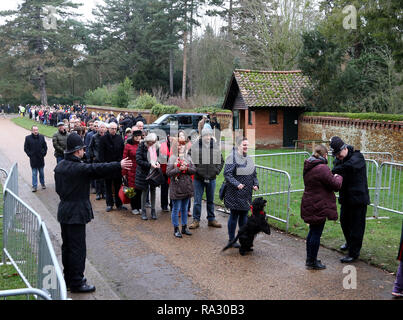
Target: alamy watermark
[[350, 280], [350, 20], [50, 20]]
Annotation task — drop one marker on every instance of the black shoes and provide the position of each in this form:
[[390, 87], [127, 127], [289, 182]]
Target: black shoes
[[344, 247], [84, 288], [122, 208], [98, 197], [177, 233], [315, 265], [234, 245], [185, 230], [348, 259]]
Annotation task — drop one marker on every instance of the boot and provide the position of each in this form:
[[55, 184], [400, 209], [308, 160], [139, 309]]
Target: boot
[[185, 230], [153, 214], [177, 233], [144, 215], [315, 265]]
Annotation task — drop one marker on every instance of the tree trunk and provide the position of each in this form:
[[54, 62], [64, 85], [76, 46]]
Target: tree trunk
[[184, 76], [171, 72], [230, 19], [42, 87], [190, 67]]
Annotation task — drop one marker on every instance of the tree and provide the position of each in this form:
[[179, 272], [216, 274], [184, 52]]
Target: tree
[[40, 48]]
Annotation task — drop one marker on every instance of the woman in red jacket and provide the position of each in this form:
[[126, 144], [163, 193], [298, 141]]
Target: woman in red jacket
[[130, 152], [318, 201]]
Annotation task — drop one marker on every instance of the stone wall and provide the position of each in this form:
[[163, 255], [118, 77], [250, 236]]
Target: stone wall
[[365, 135]]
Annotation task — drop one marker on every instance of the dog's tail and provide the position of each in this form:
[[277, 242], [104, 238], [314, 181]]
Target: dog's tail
[[229, 245]]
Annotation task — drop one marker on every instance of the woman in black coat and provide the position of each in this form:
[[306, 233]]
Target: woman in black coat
[[398, 288], [146, 158], [240, 179]]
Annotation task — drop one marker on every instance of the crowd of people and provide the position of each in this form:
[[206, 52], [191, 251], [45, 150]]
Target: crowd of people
[[184, 169]]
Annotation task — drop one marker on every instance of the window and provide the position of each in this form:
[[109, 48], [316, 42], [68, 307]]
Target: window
[[273, 116], [250, 117], [185, 120], [236, 120]]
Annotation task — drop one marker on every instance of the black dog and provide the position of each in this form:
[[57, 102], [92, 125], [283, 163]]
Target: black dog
[[256, 223]]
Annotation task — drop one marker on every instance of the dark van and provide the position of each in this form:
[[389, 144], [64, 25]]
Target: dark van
[[169, 124]]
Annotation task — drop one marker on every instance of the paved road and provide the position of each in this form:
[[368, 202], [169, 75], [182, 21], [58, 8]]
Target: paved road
[[133, 259]]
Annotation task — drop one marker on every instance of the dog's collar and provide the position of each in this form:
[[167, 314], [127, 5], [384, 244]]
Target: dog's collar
[[261, 212]]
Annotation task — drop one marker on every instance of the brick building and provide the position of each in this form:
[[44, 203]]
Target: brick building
[[266, 105]]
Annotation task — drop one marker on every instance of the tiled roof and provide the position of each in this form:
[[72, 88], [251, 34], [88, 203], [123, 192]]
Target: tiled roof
[[272, 88]]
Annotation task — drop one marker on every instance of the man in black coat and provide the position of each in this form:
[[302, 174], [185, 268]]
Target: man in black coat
[[110, 150], [353, 195], [73, 177], [36, 148]]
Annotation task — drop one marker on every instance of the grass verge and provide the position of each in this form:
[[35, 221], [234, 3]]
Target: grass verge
[[9, 278], [27, 123]]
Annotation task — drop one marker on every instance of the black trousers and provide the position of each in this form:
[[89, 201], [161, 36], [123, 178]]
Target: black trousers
[[164, 193], [352, 221], [112, 196], [100, 187], [74, 252], [135, 202]]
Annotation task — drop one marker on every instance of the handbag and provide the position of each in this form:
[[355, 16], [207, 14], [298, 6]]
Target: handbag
[[125, 192], [155, 178]]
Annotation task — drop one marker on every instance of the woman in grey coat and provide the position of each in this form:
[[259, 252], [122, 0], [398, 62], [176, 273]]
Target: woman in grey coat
[[241, 181]]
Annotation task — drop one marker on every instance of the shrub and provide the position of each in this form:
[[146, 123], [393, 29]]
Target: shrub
[[160, 109], [98, 97], [211, 110], [144, 101]]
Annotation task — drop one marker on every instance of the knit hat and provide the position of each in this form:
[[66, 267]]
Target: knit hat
[[61, 123], [74, 143], [337, 145]]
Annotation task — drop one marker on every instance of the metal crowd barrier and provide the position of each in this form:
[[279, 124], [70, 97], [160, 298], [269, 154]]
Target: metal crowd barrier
[[389, 195], [292, 162], [275, 185], [26, 244], [281, 175]]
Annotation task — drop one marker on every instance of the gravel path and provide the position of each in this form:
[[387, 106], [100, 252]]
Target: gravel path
[[143, 260]]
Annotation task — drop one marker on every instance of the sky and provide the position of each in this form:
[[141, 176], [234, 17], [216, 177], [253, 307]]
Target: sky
[[88, 5]]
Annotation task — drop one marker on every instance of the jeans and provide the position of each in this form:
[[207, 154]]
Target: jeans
[[199, 187], [399, 279], [182, 206], [35, 177], [236, 216], [313, 241]]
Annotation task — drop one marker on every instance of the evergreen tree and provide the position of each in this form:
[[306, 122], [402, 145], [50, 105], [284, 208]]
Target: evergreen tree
[[42, 42]]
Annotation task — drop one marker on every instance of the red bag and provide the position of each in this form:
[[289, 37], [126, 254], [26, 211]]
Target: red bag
[[122, 195]]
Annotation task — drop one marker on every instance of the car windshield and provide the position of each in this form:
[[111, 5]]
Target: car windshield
[[161, 119]]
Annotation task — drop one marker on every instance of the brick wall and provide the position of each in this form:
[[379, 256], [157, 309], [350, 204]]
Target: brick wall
[[365, 135], [267, 135], [224, 118]]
